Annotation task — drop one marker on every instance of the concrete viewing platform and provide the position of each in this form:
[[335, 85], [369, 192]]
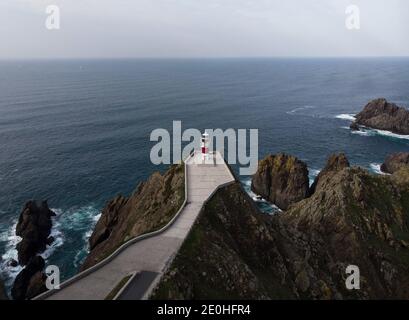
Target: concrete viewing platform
[[150, 257]]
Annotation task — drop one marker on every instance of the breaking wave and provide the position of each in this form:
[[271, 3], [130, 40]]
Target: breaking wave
[[369, 132], [262, 204], [346, 116], [9, 237], [313, 173], [376, 168], [67, 225], [390, 134], [300, 110]]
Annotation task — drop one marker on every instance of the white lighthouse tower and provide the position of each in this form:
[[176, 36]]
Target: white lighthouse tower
[[205, 146]]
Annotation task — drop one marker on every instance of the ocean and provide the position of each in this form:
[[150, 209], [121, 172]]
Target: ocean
[[76, 132]]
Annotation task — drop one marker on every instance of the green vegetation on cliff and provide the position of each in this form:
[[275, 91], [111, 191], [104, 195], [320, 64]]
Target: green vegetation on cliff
[[153, 204], [352, 218]]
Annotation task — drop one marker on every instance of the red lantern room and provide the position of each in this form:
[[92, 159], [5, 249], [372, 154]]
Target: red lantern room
[[205, 145]]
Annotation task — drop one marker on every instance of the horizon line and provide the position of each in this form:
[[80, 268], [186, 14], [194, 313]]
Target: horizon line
[[200, 58]]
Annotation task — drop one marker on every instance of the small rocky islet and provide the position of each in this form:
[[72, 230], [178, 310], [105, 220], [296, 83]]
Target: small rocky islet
[[383, 115], [34, 228]]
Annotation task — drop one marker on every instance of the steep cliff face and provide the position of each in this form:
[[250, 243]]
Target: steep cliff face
[[232, 252], [281, 179], [3, 295], [149, 208], [335, 163], [30, 282], [380, 114], [353, 218], [395, 162], [34, 227]]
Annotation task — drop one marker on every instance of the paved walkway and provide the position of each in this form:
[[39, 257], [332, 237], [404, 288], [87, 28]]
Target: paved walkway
[[153, 254]]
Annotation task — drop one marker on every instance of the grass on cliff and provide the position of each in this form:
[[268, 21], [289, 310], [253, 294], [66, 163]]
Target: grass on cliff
[[171, 211], [383, 203], [118, 287], [203, 267]]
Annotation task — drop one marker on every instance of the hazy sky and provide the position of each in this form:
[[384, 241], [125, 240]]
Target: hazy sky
[[203, 28]]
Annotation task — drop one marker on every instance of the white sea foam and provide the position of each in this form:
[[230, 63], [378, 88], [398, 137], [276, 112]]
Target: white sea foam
[[11, 240], [368, 132], [65, 223], [391, 134], [313, 173], [376, 168], [56, 233], [346, 116], [365, 133], [9, 236], [297, 110], [263, 204]]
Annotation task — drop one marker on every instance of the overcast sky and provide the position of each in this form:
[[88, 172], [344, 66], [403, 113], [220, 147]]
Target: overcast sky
[[203, 28]]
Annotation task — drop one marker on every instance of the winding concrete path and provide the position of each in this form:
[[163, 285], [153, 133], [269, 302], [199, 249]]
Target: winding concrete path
[[154, 254]]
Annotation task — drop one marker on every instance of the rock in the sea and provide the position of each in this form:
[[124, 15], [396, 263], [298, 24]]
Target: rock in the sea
[[395, 162], [34, 227], [30, 282], [281, 179], [380, 114], [3, 295], [354, 126], [335, 163]]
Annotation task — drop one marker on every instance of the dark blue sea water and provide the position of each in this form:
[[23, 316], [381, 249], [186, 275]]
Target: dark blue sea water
[[77, 132]]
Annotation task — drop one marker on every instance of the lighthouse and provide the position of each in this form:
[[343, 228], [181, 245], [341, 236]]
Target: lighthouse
[[205, 146]]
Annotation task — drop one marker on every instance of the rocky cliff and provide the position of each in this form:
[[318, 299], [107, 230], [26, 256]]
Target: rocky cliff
[[395, 162], [281, 179], [30, 282], [149, 208], [3, 295], [335, 163], [353, 218], [380, 114], [34, 227]]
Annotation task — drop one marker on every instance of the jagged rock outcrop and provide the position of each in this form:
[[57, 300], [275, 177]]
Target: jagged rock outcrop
[[149, 208], [281, 179], [354, 126], [34, 227], [335, 163], [3, 295], [30, 282], [231, 252], [380, 114], [395, 162], [353, 218]]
